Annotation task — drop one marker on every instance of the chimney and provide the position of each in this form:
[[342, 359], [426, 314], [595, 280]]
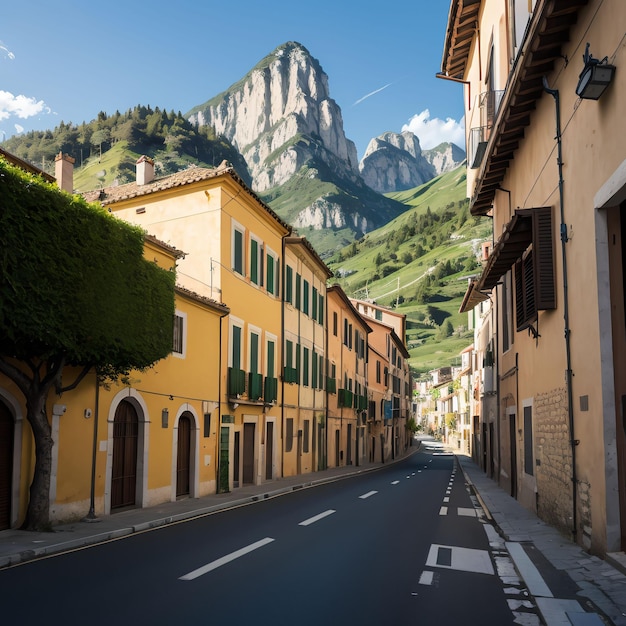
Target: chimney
[[64, 171], [145, 170]]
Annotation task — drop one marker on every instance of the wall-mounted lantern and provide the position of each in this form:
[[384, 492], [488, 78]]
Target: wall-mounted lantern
[[595, 77]]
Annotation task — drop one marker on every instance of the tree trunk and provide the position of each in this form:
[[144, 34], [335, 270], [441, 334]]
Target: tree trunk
[[38, 511]]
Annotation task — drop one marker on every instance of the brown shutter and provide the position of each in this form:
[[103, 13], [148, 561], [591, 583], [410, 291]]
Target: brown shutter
[[519, 295], [543, 259]]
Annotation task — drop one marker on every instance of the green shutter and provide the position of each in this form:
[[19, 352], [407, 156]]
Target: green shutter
[[254, 353], [320, 310], [254, 261], [314, 369], [289, 285], [305, 301], [236, 347], [298, 290], [288, 353], [314, 304], [238, 252], [270, 274], [305, 367], [270, 358]]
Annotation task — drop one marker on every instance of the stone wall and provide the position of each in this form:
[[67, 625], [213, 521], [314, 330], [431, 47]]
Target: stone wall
[[553, 459]]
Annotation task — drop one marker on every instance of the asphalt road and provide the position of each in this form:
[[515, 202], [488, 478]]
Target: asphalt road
[[403, 545]]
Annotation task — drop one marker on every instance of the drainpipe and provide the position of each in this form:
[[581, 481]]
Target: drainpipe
[[282, 357], [91, 516], [568, 372], [218, 430]]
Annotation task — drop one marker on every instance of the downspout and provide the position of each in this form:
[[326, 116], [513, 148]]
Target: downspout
[[568, 372], [91, 515], [282, 357], [218, 429]]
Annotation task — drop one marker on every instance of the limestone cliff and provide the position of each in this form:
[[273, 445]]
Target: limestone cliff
[[395, 162], [283, 98]]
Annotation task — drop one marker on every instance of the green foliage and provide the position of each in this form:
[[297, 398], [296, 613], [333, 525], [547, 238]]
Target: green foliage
[[74, 283], [167, 137]]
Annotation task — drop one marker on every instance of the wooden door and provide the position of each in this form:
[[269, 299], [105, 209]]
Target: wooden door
[[183, 456], [248, 453], [6, 466], [513, 445], [124, 474]]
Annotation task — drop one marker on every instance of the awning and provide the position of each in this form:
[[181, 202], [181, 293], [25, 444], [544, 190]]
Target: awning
[[472, 297], [517, 236]]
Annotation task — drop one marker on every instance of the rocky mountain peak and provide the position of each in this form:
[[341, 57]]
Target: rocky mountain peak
[[267, 113]]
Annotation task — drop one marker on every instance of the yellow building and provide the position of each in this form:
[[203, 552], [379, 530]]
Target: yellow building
[[234, 247], [347, 386], [547, 162], [388, 340], [141, 442], [304, 354]]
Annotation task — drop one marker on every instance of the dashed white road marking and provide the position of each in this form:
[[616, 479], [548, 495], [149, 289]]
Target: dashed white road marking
[[426, 578], [395, 482], [443, 510], [226, 559], [368, 494], [316, 518], [446, 499]]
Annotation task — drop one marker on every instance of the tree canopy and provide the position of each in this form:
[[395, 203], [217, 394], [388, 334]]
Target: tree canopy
[[73, 280]]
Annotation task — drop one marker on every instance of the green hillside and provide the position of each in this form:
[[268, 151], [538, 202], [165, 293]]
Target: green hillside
[[419, 263]]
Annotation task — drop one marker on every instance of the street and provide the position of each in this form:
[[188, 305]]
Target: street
[[402, 545]]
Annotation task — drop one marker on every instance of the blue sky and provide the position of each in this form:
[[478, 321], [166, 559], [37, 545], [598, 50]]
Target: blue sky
[[68, 60]]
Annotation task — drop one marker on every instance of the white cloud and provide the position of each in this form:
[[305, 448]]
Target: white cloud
[[20, 106], [18, 129], [432, 132]]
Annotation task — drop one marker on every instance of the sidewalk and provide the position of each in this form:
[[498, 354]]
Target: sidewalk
[[597, 584]]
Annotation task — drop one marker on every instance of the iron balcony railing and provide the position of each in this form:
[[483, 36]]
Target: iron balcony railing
[[482, 119]]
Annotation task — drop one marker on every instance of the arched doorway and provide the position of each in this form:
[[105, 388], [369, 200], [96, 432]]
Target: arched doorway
[[183, 456], [124, 465], [6, 465]]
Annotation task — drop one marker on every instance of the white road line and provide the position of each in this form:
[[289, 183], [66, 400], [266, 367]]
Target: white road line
[[395, 482], [225, 559], [535, 583], [443, 510], [446, 499], [426, 578], [368, 494], [466, 512], [316, 518], [463, 559]]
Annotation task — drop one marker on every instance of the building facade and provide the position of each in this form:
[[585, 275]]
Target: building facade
[[547, 164]]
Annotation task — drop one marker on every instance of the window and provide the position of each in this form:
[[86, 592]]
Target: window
[[314, 369], [314, 303], [179, 345], [528, 439], [235, 348], [305, 297], [335, 323], [271, 282], [254, 353], [346, 333], [379, 315], [298, 291], [320, 372], [256, 262], [237, 249], [507, 313], [305, 366], [320, 310], [378, 375], [288, 284]]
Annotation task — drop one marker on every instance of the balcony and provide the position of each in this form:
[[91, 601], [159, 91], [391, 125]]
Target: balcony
[[345, 398], [255, 386], [482, 119], [236, 382], [331, 385], [270, 391]]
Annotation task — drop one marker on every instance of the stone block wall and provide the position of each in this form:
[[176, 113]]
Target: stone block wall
[[553, 459]]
